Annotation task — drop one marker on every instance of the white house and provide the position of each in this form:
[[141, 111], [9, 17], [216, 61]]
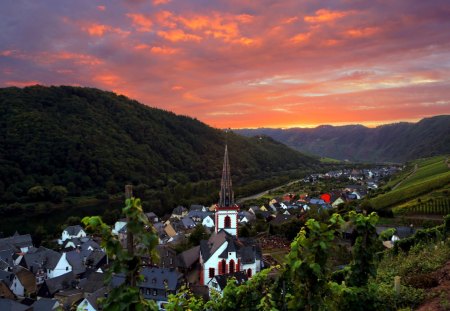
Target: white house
[[208, 222], [57, 265], [118, 226], [72, 232], [90, 303]]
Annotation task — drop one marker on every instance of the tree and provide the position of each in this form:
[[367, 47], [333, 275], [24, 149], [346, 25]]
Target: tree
[[58, 193], [36, 193], [127, 296], [363, 264], [308, 266], [198, 234]]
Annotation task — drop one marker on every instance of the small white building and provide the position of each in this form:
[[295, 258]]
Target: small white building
[[57, 265], [208, 222], [72, 232]]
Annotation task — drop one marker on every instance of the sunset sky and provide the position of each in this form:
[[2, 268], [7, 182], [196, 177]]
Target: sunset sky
[[239, 63]]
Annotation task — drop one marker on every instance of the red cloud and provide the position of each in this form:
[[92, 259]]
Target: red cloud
[[324, 15]]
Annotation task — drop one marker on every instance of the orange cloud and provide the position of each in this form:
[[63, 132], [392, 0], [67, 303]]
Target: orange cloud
[[178, 35], [300, 38], [141, 22], [158, 2], [289, 20], [107, 79], [163, 50], [98, 30], [165, 19], [324, 15], [177, 88], [362, 32]]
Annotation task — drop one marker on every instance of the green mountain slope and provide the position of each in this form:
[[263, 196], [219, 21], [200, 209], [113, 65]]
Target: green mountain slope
[[89, 140], [421, 179], [397, 142]]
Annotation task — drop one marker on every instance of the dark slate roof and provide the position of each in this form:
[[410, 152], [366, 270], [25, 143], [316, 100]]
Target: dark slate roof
[[222, 279], [7, 277], [100, 293], [245, 249], [187, 223], [44, 304], [95, 257], [11, 305], [160, 278], [93, 282], [196, 207], [16, 242], [117, 280], [187, 258], [179, 210], [73, 230], [61, 282], [281, 219], [51, 259], [75, 259], [35, 258], [4, 265], [199, 214]]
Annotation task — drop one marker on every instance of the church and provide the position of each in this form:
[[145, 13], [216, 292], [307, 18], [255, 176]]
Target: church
[[225, 253]]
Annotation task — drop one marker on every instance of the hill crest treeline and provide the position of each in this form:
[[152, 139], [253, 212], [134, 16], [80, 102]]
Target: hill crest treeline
[[88, 140]]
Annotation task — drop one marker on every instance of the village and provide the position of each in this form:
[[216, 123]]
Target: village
[[199, 246]]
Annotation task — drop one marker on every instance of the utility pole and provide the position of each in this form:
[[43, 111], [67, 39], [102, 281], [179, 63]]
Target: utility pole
[[130, 241]]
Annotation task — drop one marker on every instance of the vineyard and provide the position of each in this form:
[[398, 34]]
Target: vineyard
[[438, 206], [424, 176]]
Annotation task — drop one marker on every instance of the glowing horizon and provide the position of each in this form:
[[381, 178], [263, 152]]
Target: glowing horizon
[[241, 64]]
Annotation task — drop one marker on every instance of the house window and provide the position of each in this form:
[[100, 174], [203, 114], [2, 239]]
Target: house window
[[249, 273], [211, 272], [227, 222], [232, 266], [154, 281], [154, 292], [67, 268]]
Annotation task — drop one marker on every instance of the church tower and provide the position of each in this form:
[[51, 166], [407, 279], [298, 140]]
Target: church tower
[[226, 210]]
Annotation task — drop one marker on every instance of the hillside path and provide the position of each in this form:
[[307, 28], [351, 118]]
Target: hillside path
[[416, 167], [258, 195]]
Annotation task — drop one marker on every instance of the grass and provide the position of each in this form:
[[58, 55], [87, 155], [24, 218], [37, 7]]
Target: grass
[[329, 160]]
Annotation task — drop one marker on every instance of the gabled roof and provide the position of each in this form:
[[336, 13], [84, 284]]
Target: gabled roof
[[45, 304], [95, 257], [27, 279], [281, 219], [75, 259], [199, 214], [16, 242], [209, 247], [51, 259], [61, 282], [222, 279], [73, 230], [11, 305], [92, 299]]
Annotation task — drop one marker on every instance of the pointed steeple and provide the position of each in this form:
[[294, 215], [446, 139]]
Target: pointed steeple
[[226, 192]]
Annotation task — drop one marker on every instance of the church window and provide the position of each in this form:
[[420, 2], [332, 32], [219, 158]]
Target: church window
[[249, 273], [231, 266], [227, 222], [224, 266]]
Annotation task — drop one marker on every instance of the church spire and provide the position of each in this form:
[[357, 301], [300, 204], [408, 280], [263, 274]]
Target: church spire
[[226, 192]]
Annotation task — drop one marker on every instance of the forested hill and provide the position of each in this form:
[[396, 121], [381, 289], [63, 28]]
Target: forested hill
[[88, 140], [396, 142]]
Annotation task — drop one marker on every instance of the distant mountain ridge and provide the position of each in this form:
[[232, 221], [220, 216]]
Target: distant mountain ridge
[[397, 142], [89, 140]]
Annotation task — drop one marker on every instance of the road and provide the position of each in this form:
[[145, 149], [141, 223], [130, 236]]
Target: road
[[258, 195]]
